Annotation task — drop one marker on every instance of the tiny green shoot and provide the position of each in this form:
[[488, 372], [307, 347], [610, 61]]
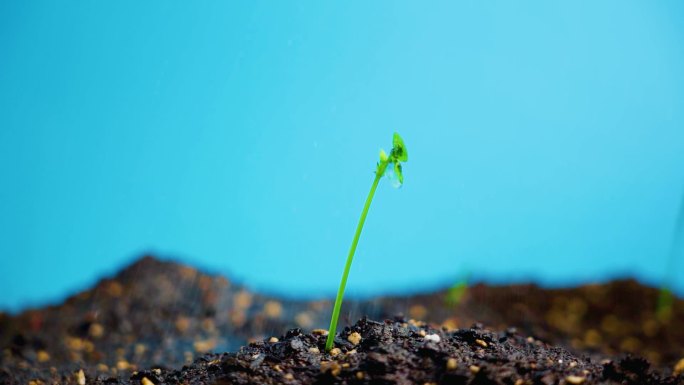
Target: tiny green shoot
[[666, 296], [393, 161], [455, 293]]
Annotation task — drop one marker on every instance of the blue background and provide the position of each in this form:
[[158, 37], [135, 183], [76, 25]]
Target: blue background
[[546, 141]]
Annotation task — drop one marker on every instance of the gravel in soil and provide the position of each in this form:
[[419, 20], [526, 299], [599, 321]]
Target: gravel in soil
[[396, 352]]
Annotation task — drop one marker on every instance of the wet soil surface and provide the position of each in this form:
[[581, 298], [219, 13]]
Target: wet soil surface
[[161, 315]]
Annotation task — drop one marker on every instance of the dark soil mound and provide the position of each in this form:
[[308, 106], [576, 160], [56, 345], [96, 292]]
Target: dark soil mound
[[612, 318], [162, 314]]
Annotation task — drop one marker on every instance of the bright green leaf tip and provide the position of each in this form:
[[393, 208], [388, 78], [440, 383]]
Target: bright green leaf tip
[[399, 152]]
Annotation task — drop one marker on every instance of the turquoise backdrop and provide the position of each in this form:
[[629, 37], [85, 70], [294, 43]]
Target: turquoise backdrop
[[546, 141]]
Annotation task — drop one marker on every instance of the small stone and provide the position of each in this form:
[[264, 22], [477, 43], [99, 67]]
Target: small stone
[[114, 289], [417, 311], [273, 340], [335, 351], [354, 338], [42, 356], [422, 333], [157, 371], [575, 380], [353, 351], [242, 300], [304, 320], [331, 367], [96, 330], [433, 338], [474, 369], [123, 365], [679, 367], [277, 368], [146, 381], [182, 324], [360, 375], [102, 367], [451, 364], [204, 346], [320, 332], [139, 349], [289, 376], [481, 343], [314, 350], [273, 309], [80, 377]]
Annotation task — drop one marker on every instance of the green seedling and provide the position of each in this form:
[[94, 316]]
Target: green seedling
[[388, 164], [666, 296], [455, 293]]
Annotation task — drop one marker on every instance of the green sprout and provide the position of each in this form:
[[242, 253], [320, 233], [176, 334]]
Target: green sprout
[[393, 161], [666, 296], [457, 291]]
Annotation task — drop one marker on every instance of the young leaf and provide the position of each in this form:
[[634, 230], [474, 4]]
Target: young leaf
[[399, 152], [395, 178], [383, 156], [397, 171]]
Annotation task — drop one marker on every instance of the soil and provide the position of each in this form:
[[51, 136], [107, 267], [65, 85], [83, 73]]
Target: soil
[[161, 315]]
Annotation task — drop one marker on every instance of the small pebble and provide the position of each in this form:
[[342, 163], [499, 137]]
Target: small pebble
[[314, 350], [204, 346], [575, 380], [481, 343], [80, 377], [354, 338], [360, 375], [451, 364], [146, 381], [139, 349], [96, 330], [273, 340], [122, 365], [679, 367], [433, 337], [331, 366], [335, 351], [273, 309], [304, 320], [42, 356], [474, 369], [320, 332], [289, 376]]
